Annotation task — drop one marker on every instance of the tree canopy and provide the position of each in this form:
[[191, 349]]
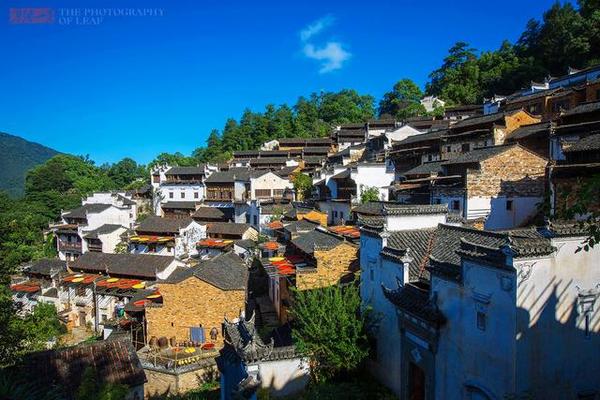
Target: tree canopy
[[330, 327]]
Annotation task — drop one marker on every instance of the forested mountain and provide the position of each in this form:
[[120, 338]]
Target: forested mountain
[[18, 157]]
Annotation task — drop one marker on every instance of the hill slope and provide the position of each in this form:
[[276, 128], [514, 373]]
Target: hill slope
[[17, 156]]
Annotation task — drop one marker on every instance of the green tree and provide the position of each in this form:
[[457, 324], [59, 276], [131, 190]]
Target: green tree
[[457, 80], [302, 186], [330, 328], [126, 171], [369, 194], [92, 389], [42, 325], [346, 106], [403, 101]]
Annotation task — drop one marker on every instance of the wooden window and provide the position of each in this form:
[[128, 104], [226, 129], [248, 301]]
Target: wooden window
[[196, 195], [278, 192], [262, 192], [481, 320], [183, 195], [170, 195]]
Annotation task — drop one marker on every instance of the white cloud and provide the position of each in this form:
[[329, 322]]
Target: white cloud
[[332, 56], [316, 27]]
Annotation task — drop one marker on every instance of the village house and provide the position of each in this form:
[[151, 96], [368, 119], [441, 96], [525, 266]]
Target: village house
[[113, 361], [232, 231], [482, 131], [535, 137], [99, 285], [500, 186], [428, 123], [247, 364], [314, 259], [178, 209], [238, 186], [167, 237], [415, 150], [197, 299], [337, 193], [348, 155], [448, 291], [377, 146], [103, 222], [204, 214], [37, 283], [574, 152], [183, 184]]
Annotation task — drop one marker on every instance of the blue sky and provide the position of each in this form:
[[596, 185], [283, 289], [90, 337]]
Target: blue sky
[[135, 86]]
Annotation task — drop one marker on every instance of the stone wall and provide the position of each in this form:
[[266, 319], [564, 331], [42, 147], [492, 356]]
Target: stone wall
[[567, 192], [516, 172], [332, 265], [190, 303], [163, 382]]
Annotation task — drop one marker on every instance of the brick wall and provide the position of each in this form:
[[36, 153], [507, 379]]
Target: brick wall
[[332, 265], [515, 173], [190, 303]]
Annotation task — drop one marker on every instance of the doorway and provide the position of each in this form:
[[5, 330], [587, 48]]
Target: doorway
[[416, 382], [82, 319]]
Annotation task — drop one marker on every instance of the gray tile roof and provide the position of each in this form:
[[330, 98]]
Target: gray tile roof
[[302, 225], [155, 224], [179, 205], [114, 361], [227, 228], [199, 170], [530, 130], [427, 168], [480, 120], [584, 108], [135, 265], [47, 266], [102, 230], [416, 244], [589, 143], [391, 208], [450, 241], [317, 240], [226, 271], [81, 212], [270, 208], [423, 137], [415, 300], [125, 200], [478, 155], [342, 175], [233, 174], [209, 212], [269, 160]]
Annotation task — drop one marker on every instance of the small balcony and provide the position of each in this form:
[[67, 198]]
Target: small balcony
[[69, 246]]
